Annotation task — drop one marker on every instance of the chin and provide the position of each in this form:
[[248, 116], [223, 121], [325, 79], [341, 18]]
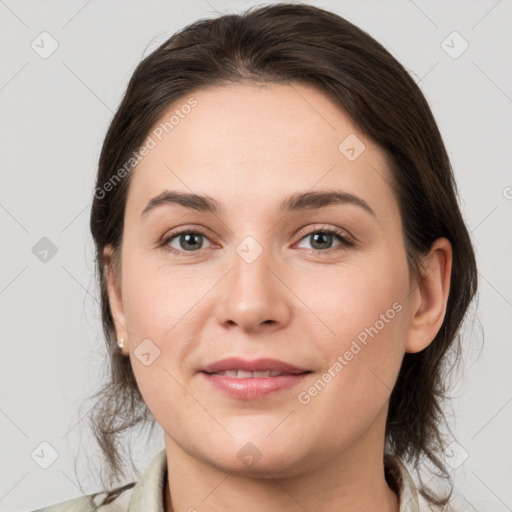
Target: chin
[[260, 458]]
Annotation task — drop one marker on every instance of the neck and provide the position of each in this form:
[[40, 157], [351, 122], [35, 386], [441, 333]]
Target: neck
[[388, 503], [351, 480]]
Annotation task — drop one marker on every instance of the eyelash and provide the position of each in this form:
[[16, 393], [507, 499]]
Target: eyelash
[[339, 234]]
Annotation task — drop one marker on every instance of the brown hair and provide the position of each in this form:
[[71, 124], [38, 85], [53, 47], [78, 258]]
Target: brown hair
[[285, 43]]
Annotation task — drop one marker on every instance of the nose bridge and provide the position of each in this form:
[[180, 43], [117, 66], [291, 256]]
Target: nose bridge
[[253, 297], [251, 277], [251, 263]]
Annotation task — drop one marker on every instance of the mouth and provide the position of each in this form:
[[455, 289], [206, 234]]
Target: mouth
[[240, 368], [250, 380], [242, 374]]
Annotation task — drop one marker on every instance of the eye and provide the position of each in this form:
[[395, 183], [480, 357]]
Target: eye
[[187, 241], [190, 241], [322, 240]]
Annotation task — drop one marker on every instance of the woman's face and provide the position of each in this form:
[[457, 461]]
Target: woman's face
[[199, 285]]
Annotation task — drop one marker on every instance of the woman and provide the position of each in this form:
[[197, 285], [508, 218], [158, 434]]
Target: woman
[[283, 269]]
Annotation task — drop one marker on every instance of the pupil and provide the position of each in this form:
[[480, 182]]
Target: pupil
[[322, 236], [186, 239]]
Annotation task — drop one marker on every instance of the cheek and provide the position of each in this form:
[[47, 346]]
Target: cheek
[[156, 301], [366, 313], [167, 399], [356, 301], [358, 377], [156, 297], [164, 318]]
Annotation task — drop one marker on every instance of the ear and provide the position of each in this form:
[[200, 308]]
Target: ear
[[429, 297], [113, 283]]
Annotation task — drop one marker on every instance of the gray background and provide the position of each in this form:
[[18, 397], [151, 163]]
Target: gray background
[[55, 112]]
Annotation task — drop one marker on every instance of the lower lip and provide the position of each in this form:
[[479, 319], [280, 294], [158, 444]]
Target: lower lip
[[251, 389]]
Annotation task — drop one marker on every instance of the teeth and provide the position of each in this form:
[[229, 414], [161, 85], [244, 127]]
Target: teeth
[[242, 374], [261, 374]]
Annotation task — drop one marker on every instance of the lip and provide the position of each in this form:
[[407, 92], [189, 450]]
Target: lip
[[257, 365], [253, 388]]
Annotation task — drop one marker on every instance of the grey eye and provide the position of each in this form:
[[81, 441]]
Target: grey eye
[[188, 241]]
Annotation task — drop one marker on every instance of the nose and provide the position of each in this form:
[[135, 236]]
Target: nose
[[253, 296]]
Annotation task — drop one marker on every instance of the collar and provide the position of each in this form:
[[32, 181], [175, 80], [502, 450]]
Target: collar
[[148, 494], [401, 482]]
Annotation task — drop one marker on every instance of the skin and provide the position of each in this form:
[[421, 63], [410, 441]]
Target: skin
[[249, 147]]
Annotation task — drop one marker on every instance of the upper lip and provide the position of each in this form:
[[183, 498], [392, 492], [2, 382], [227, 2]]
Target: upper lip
[[257, 365]]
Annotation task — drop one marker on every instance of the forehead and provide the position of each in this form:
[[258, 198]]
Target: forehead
[[258, 140]]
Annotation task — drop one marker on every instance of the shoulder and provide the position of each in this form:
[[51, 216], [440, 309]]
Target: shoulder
[[141, 496], [113, 501], [423, 506], [82, 504]]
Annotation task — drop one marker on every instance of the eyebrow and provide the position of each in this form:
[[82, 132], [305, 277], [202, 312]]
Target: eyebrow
[[301, 201]]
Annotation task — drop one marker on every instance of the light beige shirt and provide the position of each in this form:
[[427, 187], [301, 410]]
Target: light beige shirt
[[148, 494]]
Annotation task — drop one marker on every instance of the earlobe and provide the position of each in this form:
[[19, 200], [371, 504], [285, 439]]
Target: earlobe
[[113, 285], [430, 298]]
